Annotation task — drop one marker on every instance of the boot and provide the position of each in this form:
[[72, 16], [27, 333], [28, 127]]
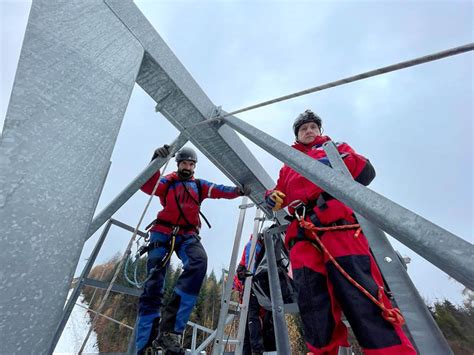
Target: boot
[[149, 351], [170, 343]]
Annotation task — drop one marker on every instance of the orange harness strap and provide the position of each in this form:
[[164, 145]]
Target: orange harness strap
[[393, 315]]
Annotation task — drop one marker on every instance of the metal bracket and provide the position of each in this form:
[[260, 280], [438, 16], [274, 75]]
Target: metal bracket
[[248, 205], [217, 112]]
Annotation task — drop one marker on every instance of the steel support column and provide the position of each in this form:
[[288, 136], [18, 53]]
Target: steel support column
[[71, 90], [278, 309]]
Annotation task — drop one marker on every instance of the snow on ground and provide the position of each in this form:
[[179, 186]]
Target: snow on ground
[[75, 332]]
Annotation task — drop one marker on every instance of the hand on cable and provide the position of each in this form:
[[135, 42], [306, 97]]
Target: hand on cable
[[275, 200], [161, 152], [245, 190]]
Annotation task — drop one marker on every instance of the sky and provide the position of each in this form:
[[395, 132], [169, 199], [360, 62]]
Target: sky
[[415, 125]]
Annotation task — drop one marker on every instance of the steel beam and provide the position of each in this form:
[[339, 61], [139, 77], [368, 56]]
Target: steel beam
[[69, 97], [115, 288], [279, 322], [453, 255], [180, 99]]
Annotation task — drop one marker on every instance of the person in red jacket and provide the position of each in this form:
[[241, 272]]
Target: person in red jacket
[[323, 291], [175, 228]]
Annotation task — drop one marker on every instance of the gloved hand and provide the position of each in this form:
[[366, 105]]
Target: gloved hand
[[161, 152], [245, 190], [243, 273], [275, 200]]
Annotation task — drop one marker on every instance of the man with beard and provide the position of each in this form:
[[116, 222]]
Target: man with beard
[[176, 228]]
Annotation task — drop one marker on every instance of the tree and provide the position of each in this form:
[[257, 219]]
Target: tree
[[456, 323]]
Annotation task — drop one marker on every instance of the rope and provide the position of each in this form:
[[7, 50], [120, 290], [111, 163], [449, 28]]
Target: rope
[[383, 70], [393, 315], [106, 317], [164, 261], [125, 255]]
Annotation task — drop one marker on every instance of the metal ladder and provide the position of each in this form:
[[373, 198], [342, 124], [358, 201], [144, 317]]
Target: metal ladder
[[225, 314]]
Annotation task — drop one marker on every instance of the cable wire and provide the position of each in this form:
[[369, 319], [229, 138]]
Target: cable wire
[[368, 74]]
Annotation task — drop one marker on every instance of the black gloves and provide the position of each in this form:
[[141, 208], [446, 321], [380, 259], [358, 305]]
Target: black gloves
[[161, 152], [243, 273], [245, 190]]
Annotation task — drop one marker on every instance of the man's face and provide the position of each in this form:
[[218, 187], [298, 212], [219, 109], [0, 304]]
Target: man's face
[[186, 168], [308, 132]]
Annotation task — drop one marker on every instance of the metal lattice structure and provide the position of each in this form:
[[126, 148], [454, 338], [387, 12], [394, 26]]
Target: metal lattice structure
[[66, 174]]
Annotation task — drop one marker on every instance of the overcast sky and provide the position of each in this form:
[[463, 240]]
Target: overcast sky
[[415, 125]]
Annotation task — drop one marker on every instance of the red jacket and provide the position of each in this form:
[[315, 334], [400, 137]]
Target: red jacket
[[297, 187], [181, 201]]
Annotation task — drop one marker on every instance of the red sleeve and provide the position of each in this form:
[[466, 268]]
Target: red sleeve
[[150, 184], [359, 166], [211, 190]]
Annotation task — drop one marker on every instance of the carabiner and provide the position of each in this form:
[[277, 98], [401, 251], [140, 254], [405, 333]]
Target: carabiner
[[298, 217], [296, 205]]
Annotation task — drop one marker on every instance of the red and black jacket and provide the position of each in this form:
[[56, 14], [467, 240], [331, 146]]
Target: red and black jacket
[[296, 187], [181, 200]]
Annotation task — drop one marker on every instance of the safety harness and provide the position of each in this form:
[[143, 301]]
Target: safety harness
[[170, 244], [303, 210], [181, 212], [316, 229]]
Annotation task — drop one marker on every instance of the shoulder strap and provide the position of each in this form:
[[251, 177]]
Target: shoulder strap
[[166, 192], [199, 187], [181, 212]]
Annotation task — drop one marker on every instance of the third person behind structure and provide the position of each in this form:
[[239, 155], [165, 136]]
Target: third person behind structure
[[323, 226], [259, 331]]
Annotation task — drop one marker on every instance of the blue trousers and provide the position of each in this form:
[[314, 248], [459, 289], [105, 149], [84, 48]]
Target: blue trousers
[[176, 313]]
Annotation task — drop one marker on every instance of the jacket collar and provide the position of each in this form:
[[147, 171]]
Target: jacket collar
[[174, 177], [316, 143]]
